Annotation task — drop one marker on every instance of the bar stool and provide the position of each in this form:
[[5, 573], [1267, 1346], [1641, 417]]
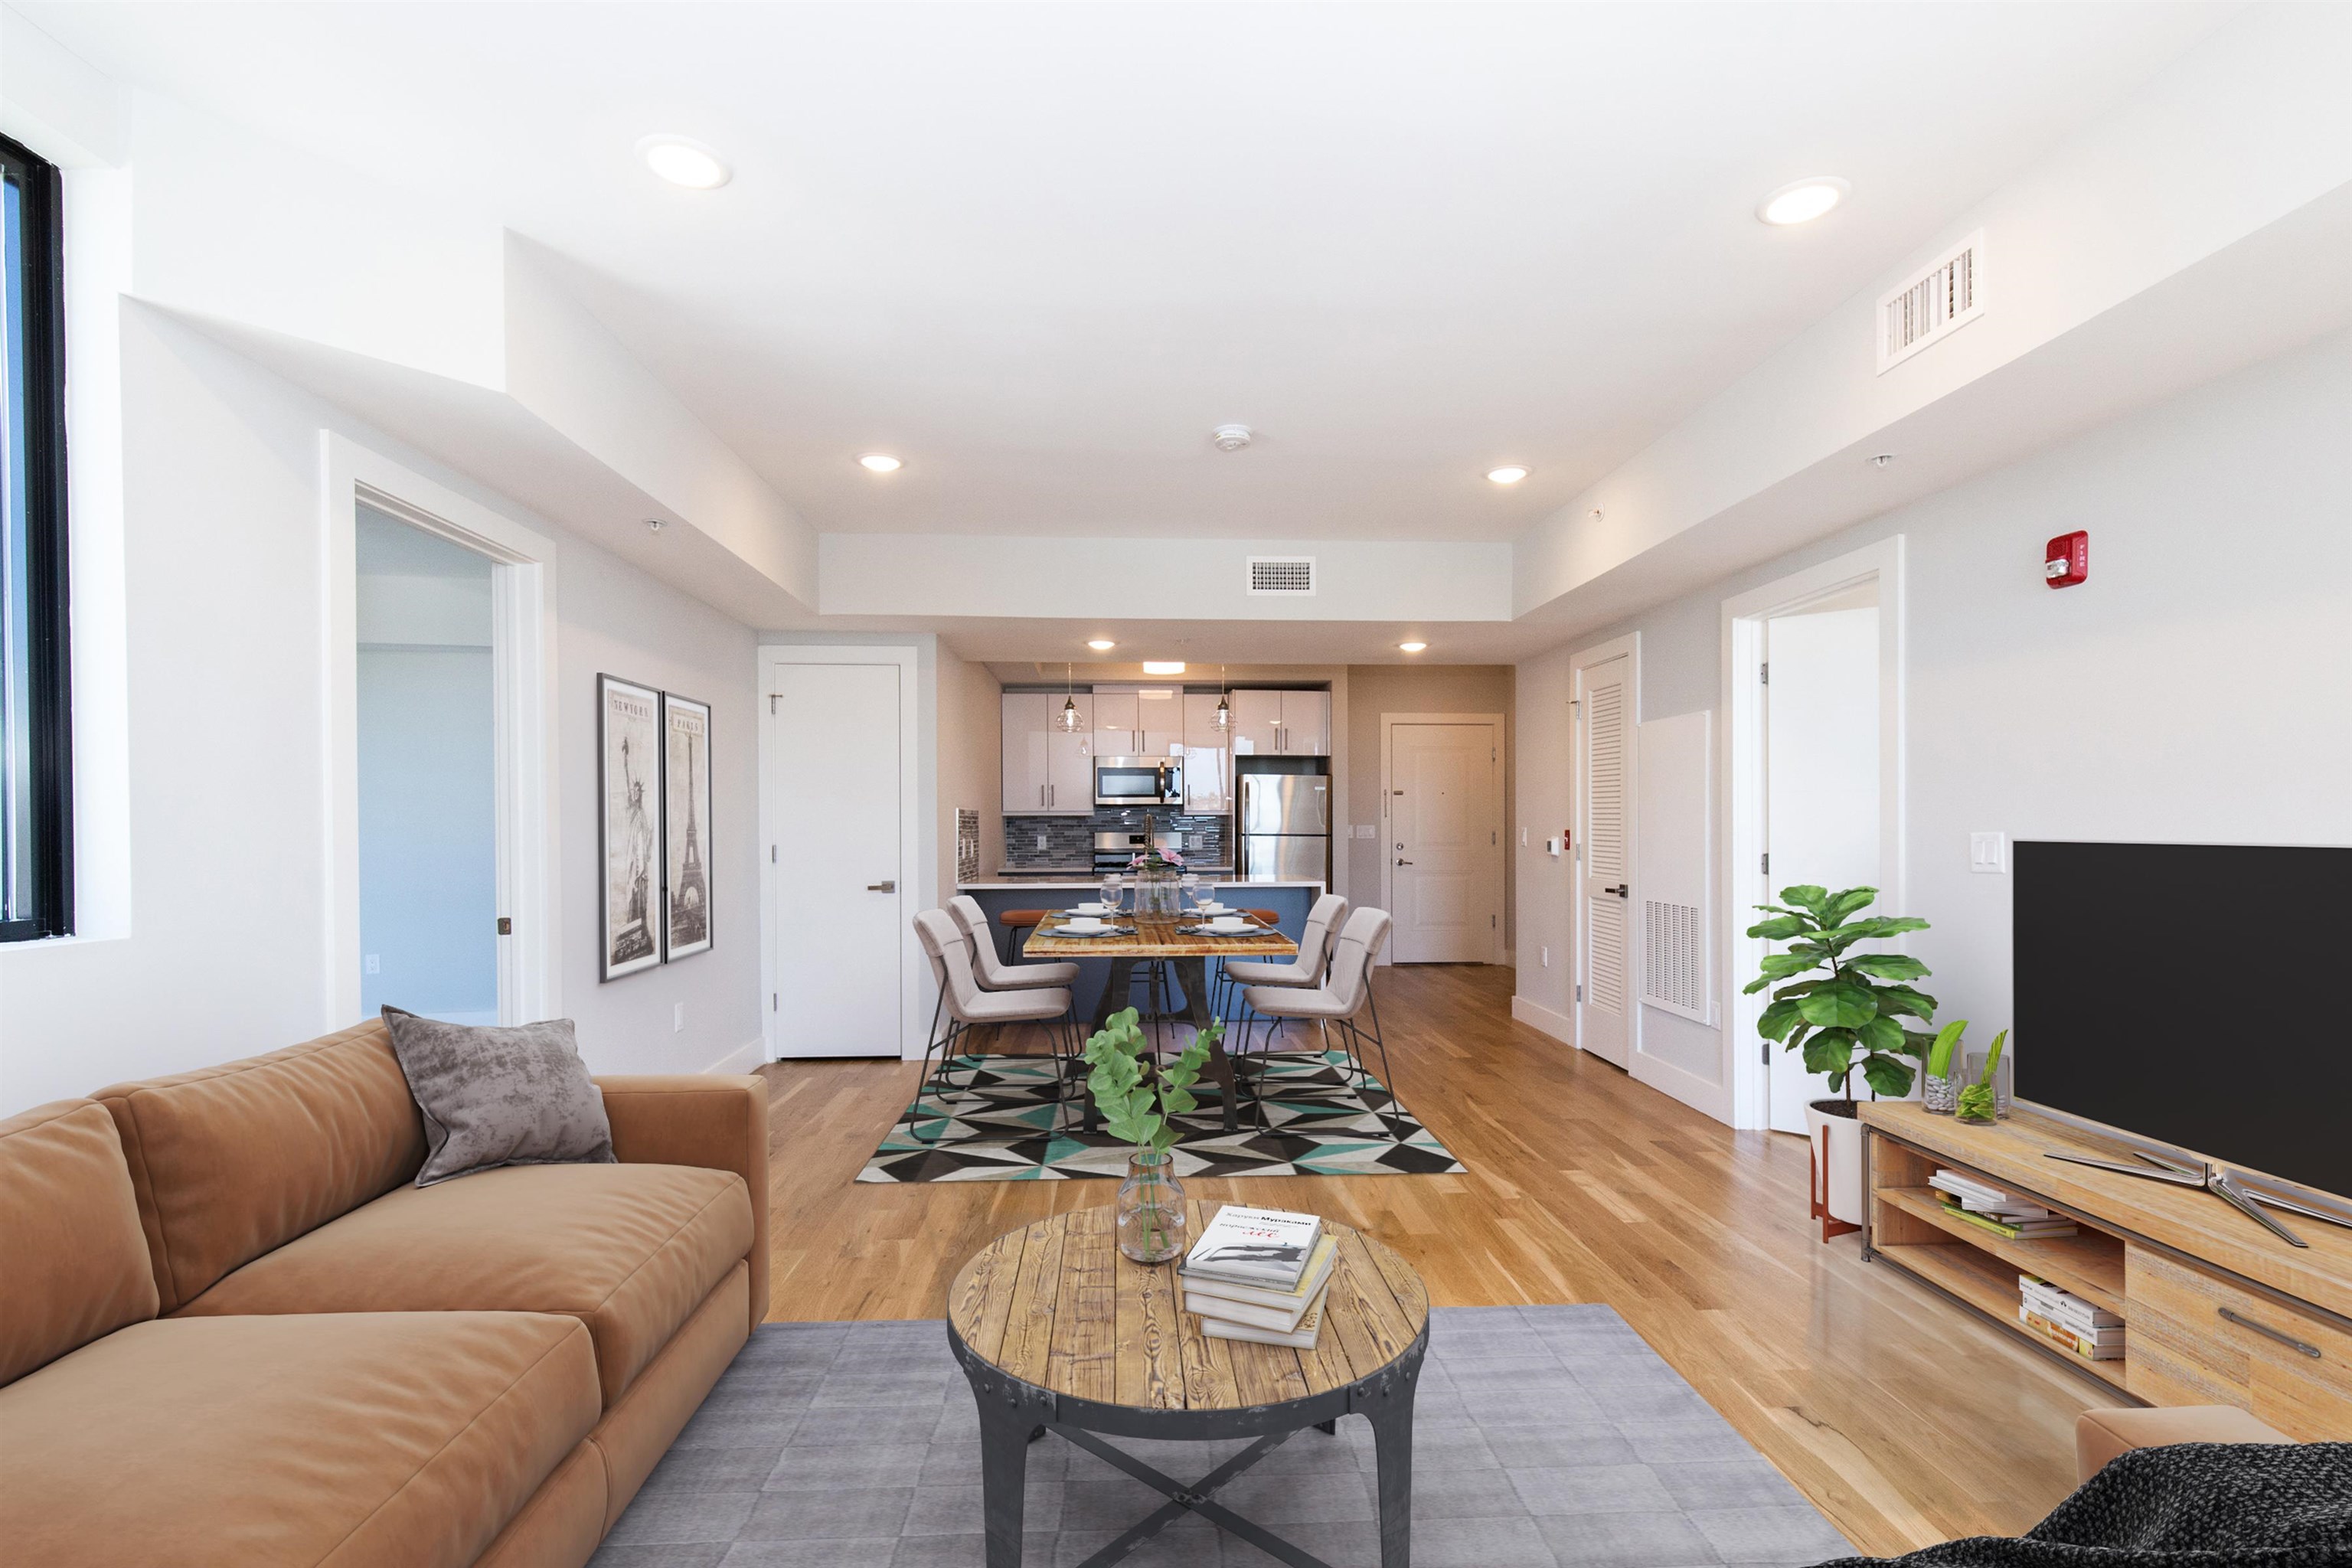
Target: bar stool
[[1345, 995], [967, 1007], [1314, 951]]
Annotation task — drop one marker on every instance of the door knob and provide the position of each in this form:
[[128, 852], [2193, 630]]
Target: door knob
[[1404, 862], [890, 886], [1620, 891]]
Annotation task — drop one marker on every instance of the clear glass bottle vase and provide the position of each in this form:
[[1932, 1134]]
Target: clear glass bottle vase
[[1150, 1208]]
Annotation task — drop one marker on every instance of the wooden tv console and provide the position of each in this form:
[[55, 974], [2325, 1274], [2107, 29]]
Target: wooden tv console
[[2216, 1310]]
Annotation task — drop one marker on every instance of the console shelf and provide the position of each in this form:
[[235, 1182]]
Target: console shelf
[[2216, 1311]]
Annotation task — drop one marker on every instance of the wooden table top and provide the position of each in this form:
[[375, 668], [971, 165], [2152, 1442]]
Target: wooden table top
[[1057, 1306], [1155, 936]]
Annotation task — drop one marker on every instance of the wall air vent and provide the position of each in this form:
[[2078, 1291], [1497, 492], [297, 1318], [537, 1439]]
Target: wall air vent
[[1289, 574], [1933, 304]]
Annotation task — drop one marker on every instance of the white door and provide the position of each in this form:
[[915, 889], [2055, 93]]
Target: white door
[[1445, 822], [1821, 784], [1208, 756], [1307, 724], [1257, 724], [1603, 885], [841, 911]]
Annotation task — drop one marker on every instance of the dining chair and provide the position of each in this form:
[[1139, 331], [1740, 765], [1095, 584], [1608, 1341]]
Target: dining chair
[[1305, 970], [994, 973], [967, 1007], [1345, 996]]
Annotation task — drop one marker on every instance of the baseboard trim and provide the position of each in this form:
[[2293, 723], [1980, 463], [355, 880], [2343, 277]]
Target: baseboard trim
[[742, 1058], [1681, 1083], [1536, 1016]]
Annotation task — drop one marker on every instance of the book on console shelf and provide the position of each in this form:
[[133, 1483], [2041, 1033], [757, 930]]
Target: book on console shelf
[[2065, 1309], [1979, 1197], [1302, 1337], [1261, 1306], [2024, 1230], [2106, 1345], [1254, 1247]]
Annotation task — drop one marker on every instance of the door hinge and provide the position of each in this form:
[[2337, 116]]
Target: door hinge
[[1579, 991], [772, 1000], [1490, 921], [1768, 1053], [1764, 672], [1491, 837], [771, 700], [771, 854], [506, 925], [1765, 863]]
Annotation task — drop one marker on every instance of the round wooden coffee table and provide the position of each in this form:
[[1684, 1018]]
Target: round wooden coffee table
[[1059, 1332]]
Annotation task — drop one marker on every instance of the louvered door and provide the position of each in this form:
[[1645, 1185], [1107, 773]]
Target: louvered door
[[1605, 887]]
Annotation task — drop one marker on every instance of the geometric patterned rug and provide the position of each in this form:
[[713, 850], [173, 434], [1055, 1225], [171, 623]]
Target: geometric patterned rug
[[996, 1122]]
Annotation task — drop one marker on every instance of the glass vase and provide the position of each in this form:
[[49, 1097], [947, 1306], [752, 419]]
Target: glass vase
[[2000, 1084], [1150, 1208], [1156, 891], [1940, 1094]]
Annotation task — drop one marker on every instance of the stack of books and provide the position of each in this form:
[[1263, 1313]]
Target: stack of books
[[2066, 1320], [1990, 1209], [1259, 1275]]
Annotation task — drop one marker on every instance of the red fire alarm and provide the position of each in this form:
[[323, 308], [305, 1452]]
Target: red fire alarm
[[2066, 560]]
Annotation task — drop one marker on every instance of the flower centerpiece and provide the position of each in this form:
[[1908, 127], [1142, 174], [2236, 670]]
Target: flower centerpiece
[[1157, 871]]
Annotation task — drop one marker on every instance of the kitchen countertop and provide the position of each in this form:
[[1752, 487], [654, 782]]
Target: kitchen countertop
[[1223, 870], [1091, 883]]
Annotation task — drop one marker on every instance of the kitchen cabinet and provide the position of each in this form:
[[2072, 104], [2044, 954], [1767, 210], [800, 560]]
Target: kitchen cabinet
[[1047, 770], [1282, 724], [1137, 722], [1208, 757]]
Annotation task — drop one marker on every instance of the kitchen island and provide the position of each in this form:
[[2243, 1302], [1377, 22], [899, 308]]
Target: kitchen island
[[1288, 902]]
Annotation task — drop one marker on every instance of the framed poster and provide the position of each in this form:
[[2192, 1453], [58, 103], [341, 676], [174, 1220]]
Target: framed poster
[[628, 791], [685, 826]]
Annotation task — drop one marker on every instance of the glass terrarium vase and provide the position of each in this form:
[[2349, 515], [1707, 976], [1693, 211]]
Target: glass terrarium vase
[[1975, 1073], [1156, 889], [1150, 1208], [1941, 1095]]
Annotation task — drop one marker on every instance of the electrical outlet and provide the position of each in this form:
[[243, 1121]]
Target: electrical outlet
[[1041, 841], [374, 962], [677, 1019], [1988, 854]]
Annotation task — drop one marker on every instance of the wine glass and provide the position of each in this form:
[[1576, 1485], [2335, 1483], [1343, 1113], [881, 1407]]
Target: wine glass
[[1111, 883], [1189, 884]]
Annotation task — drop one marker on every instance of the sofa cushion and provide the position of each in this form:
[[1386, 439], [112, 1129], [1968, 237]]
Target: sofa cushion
[[75, 1262], [404, 1440], [630, 1250], [232, 1161], [496, 1095]]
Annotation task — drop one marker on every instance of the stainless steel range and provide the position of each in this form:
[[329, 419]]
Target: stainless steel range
[[1115, 846]]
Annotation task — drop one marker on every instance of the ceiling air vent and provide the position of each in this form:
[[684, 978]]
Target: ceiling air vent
[[1933, 304], [1282, 574]]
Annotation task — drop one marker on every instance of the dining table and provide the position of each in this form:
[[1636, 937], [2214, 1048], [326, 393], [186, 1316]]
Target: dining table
[[1182, 942]]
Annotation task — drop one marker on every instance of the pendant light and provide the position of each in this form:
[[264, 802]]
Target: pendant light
[[1223, 719], [1069, 719]]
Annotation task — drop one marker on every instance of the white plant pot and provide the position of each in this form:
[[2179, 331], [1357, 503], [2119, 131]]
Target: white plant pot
[[1844, 1159]]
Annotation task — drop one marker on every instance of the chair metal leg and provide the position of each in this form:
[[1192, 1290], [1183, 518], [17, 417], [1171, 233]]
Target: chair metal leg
[[946, 1055]]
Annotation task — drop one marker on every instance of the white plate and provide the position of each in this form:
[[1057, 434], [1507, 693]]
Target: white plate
[[1213, 908], [1092, 910], [1232, 925]]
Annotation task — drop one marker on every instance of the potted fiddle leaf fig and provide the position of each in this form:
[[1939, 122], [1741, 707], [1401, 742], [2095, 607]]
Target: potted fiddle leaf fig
[[1845, 1011]]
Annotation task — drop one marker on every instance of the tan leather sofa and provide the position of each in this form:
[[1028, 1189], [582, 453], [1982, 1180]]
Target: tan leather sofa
[[231, 1331], [2104, 1435]]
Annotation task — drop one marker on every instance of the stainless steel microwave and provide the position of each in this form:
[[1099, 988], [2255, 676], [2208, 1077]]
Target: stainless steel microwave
[[1139, 781]]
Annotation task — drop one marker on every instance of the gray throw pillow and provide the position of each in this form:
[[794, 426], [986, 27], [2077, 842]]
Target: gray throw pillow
[[505, 1096]]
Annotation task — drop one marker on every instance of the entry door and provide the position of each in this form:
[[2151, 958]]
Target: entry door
[[1603, 880], [1821, 785], [1445, 822], [841, 913]]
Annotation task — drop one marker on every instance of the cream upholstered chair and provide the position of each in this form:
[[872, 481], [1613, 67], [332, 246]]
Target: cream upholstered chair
[[1345, 996], [994, 973], [966, 1005], [1314, 952]]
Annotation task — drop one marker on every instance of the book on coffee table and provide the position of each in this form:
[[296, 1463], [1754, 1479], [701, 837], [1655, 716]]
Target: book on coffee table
[[1255, 1247], [1300, 1337], [1260, 1306]]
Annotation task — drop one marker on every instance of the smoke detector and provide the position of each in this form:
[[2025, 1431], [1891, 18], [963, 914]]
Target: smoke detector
[[1231, 438]]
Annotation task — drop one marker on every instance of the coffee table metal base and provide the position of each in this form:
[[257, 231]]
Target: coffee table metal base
[[1013, 1413]]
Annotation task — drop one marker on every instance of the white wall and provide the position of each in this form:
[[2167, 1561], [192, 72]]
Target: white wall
[[2196, 688], [972, 772], [223, 604]]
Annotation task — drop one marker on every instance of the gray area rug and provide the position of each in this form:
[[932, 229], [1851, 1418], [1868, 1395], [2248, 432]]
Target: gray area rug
[[1543, 1437]]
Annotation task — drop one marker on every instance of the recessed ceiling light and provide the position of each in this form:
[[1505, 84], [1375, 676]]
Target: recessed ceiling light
[[1412, 646], [1101, 645], [683, 161], [1163, 666], [1509, 474], [1804, 200], [879, 462]]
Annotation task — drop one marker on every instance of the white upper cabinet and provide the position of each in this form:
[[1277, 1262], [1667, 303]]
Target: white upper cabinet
[[1047, 770], [1208, 756], [1158, 721], [1118, 732], [1282, 724]]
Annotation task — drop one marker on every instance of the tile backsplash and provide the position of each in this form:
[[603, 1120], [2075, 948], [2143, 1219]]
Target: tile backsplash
[[1070, 840]]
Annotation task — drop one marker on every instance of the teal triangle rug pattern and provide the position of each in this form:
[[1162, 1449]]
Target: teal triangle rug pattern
[[992, 1119]]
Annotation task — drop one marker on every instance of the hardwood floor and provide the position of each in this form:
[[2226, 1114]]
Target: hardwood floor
[[1902, 1419]]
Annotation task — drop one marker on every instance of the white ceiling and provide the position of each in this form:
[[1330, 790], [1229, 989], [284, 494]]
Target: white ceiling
[[1039, 250]]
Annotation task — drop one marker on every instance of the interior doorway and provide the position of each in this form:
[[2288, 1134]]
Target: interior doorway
[[1604, 697], [1821, 776], [428, 836], [1443, 874]]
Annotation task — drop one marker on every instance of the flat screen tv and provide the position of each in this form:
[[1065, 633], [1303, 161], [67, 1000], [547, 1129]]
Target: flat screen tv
[[2192, 993]]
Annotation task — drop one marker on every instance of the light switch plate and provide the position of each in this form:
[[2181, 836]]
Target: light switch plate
[[677, 1019], [1368, 830], [1988, 854]]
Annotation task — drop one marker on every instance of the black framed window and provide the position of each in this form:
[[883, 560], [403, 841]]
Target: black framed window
[[35, 714]]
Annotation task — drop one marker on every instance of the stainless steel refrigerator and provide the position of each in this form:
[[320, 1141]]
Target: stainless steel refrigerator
[[1286, 827]]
